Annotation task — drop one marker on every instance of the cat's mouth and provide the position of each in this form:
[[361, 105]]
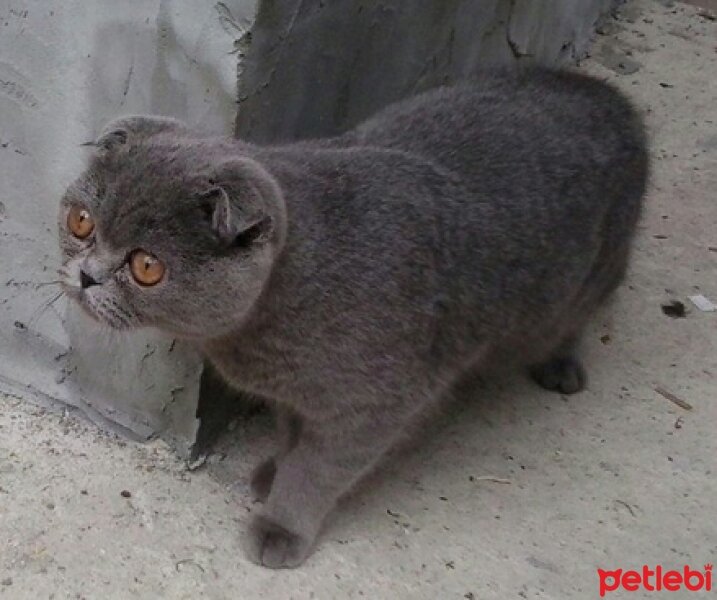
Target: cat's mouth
[[101, 309]]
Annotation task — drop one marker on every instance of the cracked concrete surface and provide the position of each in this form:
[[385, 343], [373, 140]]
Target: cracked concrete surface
[[517, 493]]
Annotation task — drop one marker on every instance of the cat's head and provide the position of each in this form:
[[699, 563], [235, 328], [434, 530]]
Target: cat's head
[[168, 230]]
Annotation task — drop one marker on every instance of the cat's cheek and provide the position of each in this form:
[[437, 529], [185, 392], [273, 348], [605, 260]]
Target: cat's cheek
[[142, 302]]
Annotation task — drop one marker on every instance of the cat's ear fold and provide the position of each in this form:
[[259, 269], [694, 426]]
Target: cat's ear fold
[[123, 132], [245, 203], [230, 224]]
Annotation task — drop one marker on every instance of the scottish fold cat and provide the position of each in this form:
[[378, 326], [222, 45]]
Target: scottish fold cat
[[351, 281]]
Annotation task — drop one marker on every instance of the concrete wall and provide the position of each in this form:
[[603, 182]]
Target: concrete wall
[[314, 67], [66, 67]]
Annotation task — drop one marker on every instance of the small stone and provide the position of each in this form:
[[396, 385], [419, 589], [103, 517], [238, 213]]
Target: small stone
[[674, 309], [618, 61], [126, 494]]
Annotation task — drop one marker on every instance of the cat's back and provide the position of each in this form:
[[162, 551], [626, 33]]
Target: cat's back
[[506, 122], [555, 162], [555, 167]]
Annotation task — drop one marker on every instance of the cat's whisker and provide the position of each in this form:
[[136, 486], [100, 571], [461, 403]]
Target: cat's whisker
[[40, 310], [46, 283], [115, 316]]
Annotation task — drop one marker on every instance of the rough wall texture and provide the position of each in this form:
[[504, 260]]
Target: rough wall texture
[[66, 67], [317, 67]]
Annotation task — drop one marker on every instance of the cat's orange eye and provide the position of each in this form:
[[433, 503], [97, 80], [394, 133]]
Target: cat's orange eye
[[79, 222], [146, 269]]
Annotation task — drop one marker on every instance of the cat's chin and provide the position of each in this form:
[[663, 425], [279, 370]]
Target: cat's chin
[[103, 314]]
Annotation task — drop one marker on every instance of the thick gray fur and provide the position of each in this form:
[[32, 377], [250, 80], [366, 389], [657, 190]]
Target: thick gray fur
[[352, 281]]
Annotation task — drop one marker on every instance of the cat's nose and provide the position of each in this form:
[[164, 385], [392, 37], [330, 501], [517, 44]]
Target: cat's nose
[[87, 280]]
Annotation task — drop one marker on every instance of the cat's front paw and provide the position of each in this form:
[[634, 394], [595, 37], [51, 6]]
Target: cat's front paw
[[563, 375], [272, 545]]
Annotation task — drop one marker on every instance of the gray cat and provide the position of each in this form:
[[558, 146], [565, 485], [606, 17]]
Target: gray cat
[[353, 280]]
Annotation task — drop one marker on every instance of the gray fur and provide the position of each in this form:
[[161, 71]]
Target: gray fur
[[353, 280]]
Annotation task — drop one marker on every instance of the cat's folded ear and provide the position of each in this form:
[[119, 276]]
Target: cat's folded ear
[[123, 132], [243, 204], [231, 225]]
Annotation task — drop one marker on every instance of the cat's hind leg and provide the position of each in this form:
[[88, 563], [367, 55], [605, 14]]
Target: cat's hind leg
[[562, 372]]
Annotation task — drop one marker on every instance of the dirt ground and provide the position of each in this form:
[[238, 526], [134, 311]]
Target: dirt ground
[[517, 494]]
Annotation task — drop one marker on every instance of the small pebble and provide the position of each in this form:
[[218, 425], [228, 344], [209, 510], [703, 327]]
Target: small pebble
[[126, 494], [674, 309]]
